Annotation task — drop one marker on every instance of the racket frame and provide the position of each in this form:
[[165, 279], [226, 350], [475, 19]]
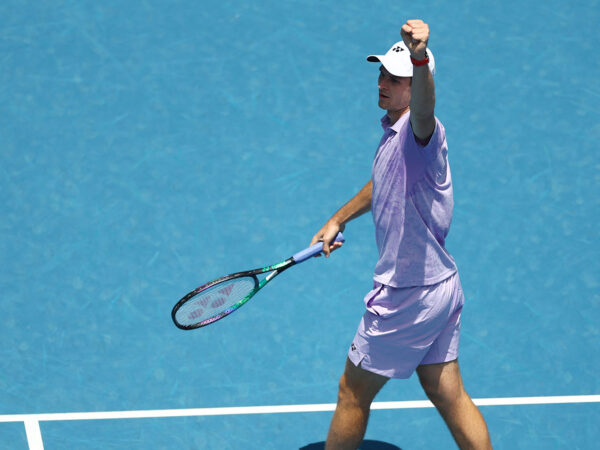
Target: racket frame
[[275, 270]]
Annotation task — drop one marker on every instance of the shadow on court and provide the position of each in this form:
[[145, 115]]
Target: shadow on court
[[366, 445]]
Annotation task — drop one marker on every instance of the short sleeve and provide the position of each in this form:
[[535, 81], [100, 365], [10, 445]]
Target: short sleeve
[[435, 152], [435, 144]]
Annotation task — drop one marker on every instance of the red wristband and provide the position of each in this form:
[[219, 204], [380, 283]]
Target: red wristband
[[421, 62]]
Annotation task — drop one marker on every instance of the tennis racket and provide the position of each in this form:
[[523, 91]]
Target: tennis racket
[[219, 298]]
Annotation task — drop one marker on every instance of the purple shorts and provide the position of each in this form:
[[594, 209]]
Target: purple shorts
[[406, 327]]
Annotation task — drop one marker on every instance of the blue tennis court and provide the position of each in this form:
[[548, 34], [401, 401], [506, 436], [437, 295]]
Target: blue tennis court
[[148, 147]]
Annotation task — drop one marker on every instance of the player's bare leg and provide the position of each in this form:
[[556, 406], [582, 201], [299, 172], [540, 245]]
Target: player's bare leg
[[357, 390], [444, 387]]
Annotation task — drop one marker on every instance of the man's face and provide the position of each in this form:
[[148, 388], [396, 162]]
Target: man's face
[[394, 92]]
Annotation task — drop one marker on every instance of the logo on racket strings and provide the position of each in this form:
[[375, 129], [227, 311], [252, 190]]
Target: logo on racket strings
[[195, 314], [204, 302], [226, 290], [207, 301]]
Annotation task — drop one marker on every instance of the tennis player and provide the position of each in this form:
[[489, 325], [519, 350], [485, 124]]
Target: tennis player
[[412, 317]]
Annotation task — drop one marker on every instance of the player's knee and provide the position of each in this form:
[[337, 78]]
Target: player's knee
[[346, 392], [442, 383], [443, 396], [351, 395]]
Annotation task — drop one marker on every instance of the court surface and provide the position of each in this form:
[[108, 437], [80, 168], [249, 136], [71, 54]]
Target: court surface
[[148, 147]]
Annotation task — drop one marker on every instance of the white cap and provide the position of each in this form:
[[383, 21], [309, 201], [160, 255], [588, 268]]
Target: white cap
[[397, 60]]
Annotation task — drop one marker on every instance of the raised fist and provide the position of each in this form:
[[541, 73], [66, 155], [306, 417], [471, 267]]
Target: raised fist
[[415, 34]]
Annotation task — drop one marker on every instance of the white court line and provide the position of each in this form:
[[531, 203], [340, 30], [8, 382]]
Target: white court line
[[279, 409], [34, 435]]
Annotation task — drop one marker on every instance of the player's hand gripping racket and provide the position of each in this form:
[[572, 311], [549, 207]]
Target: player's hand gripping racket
[[219, 298]]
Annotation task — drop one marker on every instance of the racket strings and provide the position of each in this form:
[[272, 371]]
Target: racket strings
[[215, 300]]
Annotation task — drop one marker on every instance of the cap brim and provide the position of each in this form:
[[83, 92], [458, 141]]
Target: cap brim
[[398, 69], [374, 58]]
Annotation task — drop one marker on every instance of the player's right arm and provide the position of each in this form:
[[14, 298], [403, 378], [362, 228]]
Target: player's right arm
[[356, 207]]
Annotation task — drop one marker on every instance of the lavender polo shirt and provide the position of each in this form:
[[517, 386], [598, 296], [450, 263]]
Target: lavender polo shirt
[[412, 206]]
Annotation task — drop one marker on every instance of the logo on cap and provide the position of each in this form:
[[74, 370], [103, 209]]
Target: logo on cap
[[397, 49]]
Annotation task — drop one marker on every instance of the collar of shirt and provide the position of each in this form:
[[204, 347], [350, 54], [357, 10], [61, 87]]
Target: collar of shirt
[[385, 123]]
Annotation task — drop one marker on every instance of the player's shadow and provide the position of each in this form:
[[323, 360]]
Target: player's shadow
[[366, 445]]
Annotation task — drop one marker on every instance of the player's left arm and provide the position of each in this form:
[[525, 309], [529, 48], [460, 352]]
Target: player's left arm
[[415, 34]]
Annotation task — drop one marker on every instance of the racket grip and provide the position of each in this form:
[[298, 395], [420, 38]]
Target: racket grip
[[303, 255]]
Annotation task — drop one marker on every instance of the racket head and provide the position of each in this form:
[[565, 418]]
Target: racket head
[[213, 301]]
